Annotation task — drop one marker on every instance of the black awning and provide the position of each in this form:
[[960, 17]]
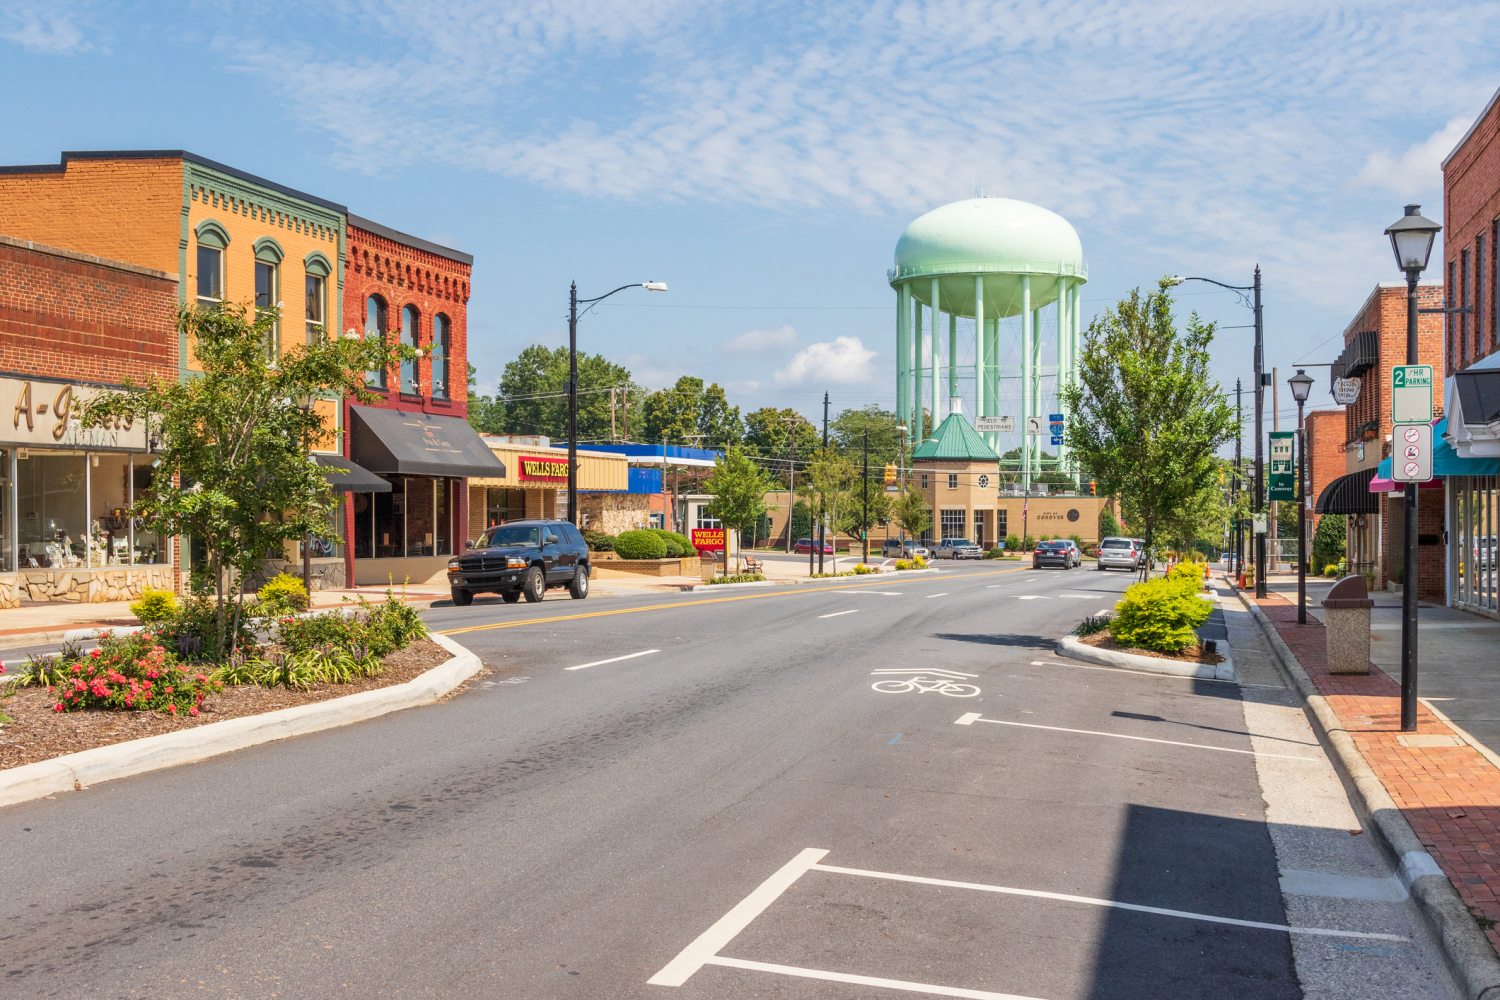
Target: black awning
[[346, 477], [1349, 495], [1360, 355], [392, 442]]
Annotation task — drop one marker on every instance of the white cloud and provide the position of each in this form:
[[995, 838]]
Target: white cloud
[[837, 362], [781, 338], [51, 31], [1419, 169]]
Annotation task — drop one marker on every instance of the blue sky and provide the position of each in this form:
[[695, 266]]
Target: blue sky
[[763, 158]]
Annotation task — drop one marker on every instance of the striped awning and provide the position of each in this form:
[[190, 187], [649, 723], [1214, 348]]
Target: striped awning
[[1349, 495]]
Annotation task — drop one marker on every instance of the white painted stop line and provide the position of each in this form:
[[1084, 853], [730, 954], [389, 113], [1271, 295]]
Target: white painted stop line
[[613, 659]]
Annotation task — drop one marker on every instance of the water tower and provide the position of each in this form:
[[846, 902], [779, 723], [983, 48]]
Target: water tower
[[1012, 272]]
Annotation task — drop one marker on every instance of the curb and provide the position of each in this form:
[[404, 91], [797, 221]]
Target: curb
[[737, 586], [76, 771], [1468, 952], [1070, 647]]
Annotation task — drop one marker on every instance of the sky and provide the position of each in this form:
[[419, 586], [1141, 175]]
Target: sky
[[763, 158]]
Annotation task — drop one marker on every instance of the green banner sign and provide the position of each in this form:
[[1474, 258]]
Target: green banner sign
[[1283, 485]]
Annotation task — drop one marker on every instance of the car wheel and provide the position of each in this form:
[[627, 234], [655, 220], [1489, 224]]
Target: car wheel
[[510, 596], [462, 598], [579, 588], [533, 585]]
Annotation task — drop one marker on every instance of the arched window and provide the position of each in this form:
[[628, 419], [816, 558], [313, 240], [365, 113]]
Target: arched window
[[409, 380], [441, 334], [375, 329]]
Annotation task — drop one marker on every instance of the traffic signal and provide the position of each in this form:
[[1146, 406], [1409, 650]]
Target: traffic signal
[[1093, 488], [890, 472]]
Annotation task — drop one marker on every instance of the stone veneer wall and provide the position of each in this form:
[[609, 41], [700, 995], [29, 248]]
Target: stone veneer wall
[[78, 586]]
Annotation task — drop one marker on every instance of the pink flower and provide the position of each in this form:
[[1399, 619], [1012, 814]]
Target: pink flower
[[58, 707], [78, 668], [172, 709], [169, 689], [193, 710]]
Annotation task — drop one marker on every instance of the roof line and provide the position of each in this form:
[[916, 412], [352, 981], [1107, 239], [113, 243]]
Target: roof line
[[1472, 127], [409, 240]]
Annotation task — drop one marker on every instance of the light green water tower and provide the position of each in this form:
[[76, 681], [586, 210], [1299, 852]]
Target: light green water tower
[[987, 260]]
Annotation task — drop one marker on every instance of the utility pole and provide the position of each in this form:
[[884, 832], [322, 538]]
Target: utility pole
[[1275, 525], [864, 519], [573, 403], [791, 507], [611, 414], [1260, 465], [1239, 522], [822, 518]]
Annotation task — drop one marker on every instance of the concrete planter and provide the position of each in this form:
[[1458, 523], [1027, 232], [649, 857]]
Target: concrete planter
[[606, 569], [1070, 647]]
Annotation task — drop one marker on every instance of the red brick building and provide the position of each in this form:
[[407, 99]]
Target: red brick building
[[1471, 228], [415, 293], [1325, 455], [72, 324]]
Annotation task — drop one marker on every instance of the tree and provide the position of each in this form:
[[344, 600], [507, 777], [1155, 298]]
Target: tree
[[718, 422], [768, 433], [825, 487], [534, 393], [868, 505], [739, 487], [847, 432], [1328, 541], [1108, 526], [1147, 419], [233, 471], [909, 509], [1010, 466], [486, 413], [673, 414]]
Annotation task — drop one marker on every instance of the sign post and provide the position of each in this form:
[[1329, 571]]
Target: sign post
[[1411, 457]]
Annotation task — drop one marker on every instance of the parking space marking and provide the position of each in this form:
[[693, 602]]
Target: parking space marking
[[855, 611], [613, 659], [1122, 736], [1111, 904], [844, 977]]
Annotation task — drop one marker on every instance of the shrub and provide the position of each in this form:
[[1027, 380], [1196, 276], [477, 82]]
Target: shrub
[[392, 625], [1108, 526], [739, 578], [599, 542], [332, 628], [1093, 624], [1189, 573], [902, 564], [282, 594], [1331, 571], [1028, 543], [995, 553], [1013, 542], [860, 569], [154, 606], [920, 562], [1160, 615], [195, 627], [1328, 541], [131, 672], [640, 545], [677, 544]]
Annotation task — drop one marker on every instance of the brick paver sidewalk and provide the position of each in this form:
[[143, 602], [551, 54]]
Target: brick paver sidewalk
[[1449, 794]]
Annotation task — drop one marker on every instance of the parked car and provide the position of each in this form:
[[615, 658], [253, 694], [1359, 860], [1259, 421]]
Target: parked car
[[958, 548], [1060, 552], [805, 545], [896, 548], [522, 559], [1120, 553]]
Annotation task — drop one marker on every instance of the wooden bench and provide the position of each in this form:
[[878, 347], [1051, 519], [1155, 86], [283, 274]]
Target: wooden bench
[[754, 565]]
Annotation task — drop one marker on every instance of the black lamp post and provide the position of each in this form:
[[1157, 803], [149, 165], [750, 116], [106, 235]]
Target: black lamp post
[[1261, 381], [1411, 240], [573, 303], [1301, 385]]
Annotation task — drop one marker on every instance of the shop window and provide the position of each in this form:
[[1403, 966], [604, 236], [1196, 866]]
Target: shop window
[[52, 512], [364, 525], [390, 520], [421, 529], [315, 315], [410, 328], [150, 549], [375, 323], [953, 523], [328, 544], [265, 305], [497, 507], [210, 276], [953, 480], [6, 548], [109, 499], [441, 336], [442, 517]]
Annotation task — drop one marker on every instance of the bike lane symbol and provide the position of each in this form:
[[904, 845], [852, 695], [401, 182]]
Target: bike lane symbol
[[908, 681]]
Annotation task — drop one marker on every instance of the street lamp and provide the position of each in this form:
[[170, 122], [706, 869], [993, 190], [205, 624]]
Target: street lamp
[[573, 303], [1261, 381], [1411, 241], [1301, 385]]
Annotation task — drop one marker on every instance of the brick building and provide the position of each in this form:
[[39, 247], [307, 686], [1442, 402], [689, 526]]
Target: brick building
[[1471, 229], [72, 324], [1325, 432]]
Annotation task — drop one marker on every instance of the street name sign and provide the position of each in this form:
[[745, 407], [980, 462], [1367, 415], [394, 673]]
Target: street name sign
[[996, 425], [1411, 452], [1283, 474], [1411, 394]]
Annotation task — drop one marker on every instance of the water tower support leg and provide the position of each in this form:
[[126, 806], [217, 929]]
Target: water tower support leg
[[1027, 334], [916, 374], [903, 354], [979, 345], [992, 375], [937, 367]]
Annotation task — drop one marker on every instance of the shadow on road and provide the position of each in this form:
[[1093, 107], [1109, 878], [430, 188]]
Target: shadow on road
[[1001, 639]]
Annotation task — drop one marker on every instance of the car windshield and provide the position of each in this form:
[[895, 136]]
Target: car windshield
[[519, 534], [1053, 545], [956, 542], [1116, 543]]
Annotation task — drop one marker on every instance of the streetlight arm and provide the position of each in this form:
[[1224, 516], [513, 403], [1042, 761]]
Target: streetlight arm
[[633, 284], [1178, 279]]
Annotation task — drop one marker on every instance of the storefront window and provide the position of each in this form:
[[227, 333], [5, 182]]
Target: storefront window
[[6, 549], [442, 516], [496, 506], [364, 526], [329, 545], [151, 549], [420, 528], [109, 496], [52, 512], [390, 520]]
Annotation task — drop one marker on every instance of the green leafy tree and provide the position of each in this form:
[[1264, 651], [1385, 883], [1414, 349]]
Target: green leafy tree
[[234, 472], [1147, 416], [1328, 541], [824, 486], [718, 422], [768, 434], [534, 393], [739, 487], [1109, 527], [847, 433], [486, 413], [868, 505], [909, 509], [671, 415], [1010, 470]]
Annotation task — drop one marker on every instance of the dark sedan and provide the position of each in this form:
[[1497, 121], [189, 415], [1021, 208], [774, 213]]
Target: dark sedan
[[1061, 553]]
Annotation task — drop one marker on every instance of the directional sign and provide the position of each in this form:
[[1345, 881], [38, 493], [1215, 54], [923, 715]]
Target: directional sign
[[1411, 394], [998, 425], [1283, 475], [1055, 418], [1411, 457], [1056, 440], [1034, 425]]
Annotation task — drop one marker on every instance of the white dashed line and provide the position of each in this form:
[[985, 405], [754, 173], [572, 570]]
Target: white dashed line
[[613, 659], [837, 613], [943, 594]]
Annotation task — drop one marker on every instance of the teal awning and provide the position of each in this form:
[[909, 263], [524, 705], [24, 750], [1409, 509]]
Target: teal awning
[[1446, 461]]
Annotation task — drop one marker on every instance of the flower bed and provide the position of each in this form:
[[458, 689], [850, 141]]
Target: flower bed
[[1189, 654]]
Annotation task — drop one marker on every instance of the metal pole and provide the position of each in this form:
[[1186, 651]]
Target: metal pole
[[573, 403], [791, 509], [1239, 522], [1409, 563], [1260, 470], [822, 526], [864, 519], [1301, 519]]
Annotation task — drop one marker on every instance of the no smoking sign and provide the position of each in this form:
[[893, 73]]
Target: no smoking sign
[[1412, 462]]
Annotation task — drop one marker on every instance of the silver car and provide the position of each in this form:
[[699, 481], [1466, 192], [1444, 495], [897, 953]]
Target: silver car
[[895, 548], [1120, 553], [958, 548]]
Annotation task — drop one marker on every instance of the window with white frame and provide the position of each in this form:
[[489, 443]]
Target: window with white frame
[[953, 480], [315, 306], [953, 523], [210, 275]]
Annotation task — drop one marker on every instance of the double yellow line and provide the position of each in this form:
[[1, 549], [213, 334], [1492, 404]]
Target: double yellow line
[[777, 592]]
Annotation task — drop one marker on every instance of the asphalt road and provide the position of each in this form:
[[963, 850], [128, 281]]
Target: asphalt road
[[569, 827]]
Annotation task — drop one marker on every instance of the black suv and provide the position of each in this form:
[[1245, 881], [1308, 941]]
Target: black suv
[[522, 558]]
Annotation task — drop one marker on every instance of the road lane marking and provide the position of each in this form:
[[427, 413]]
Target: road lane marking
[[845, 977], [613, 659], [902, 670], [1110, 904], [837, 613], [943, 594], [706, 945], [878, 593], [778, 592], [1033, 597], [1142, 739]]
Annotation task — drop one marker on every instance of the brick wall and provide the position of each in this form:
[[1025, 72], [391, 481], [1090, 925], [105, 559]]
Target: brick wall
[[1325, 454], [1431, 551], [67, 316], [1471, 204], [1369, 417]]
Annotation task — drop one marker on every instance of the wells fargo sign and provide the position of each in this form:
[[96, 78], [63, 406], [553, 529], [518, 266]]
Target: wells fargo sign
[[536, 468], [708, 539]]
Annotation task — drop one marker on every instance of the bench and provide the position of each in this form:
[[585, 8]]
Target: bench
[[754, 565]]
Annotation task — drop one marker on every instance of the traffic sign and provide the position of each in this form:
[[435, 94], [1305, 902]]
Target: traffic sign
[[1056, 440], [1283, 484], [1411, 452], [1056, 418], [1034, 425], [1411, 394], [998, 425]]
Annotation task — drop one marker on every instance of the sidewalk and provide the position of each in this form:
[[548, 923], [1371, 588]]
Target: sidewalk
[[1445, 780]]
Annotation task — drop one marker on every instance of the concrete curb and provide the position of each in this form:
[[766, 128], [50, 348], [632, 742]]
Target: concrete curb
[[1468, 952], [737, 586], [76, 771], [1070, 647]]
